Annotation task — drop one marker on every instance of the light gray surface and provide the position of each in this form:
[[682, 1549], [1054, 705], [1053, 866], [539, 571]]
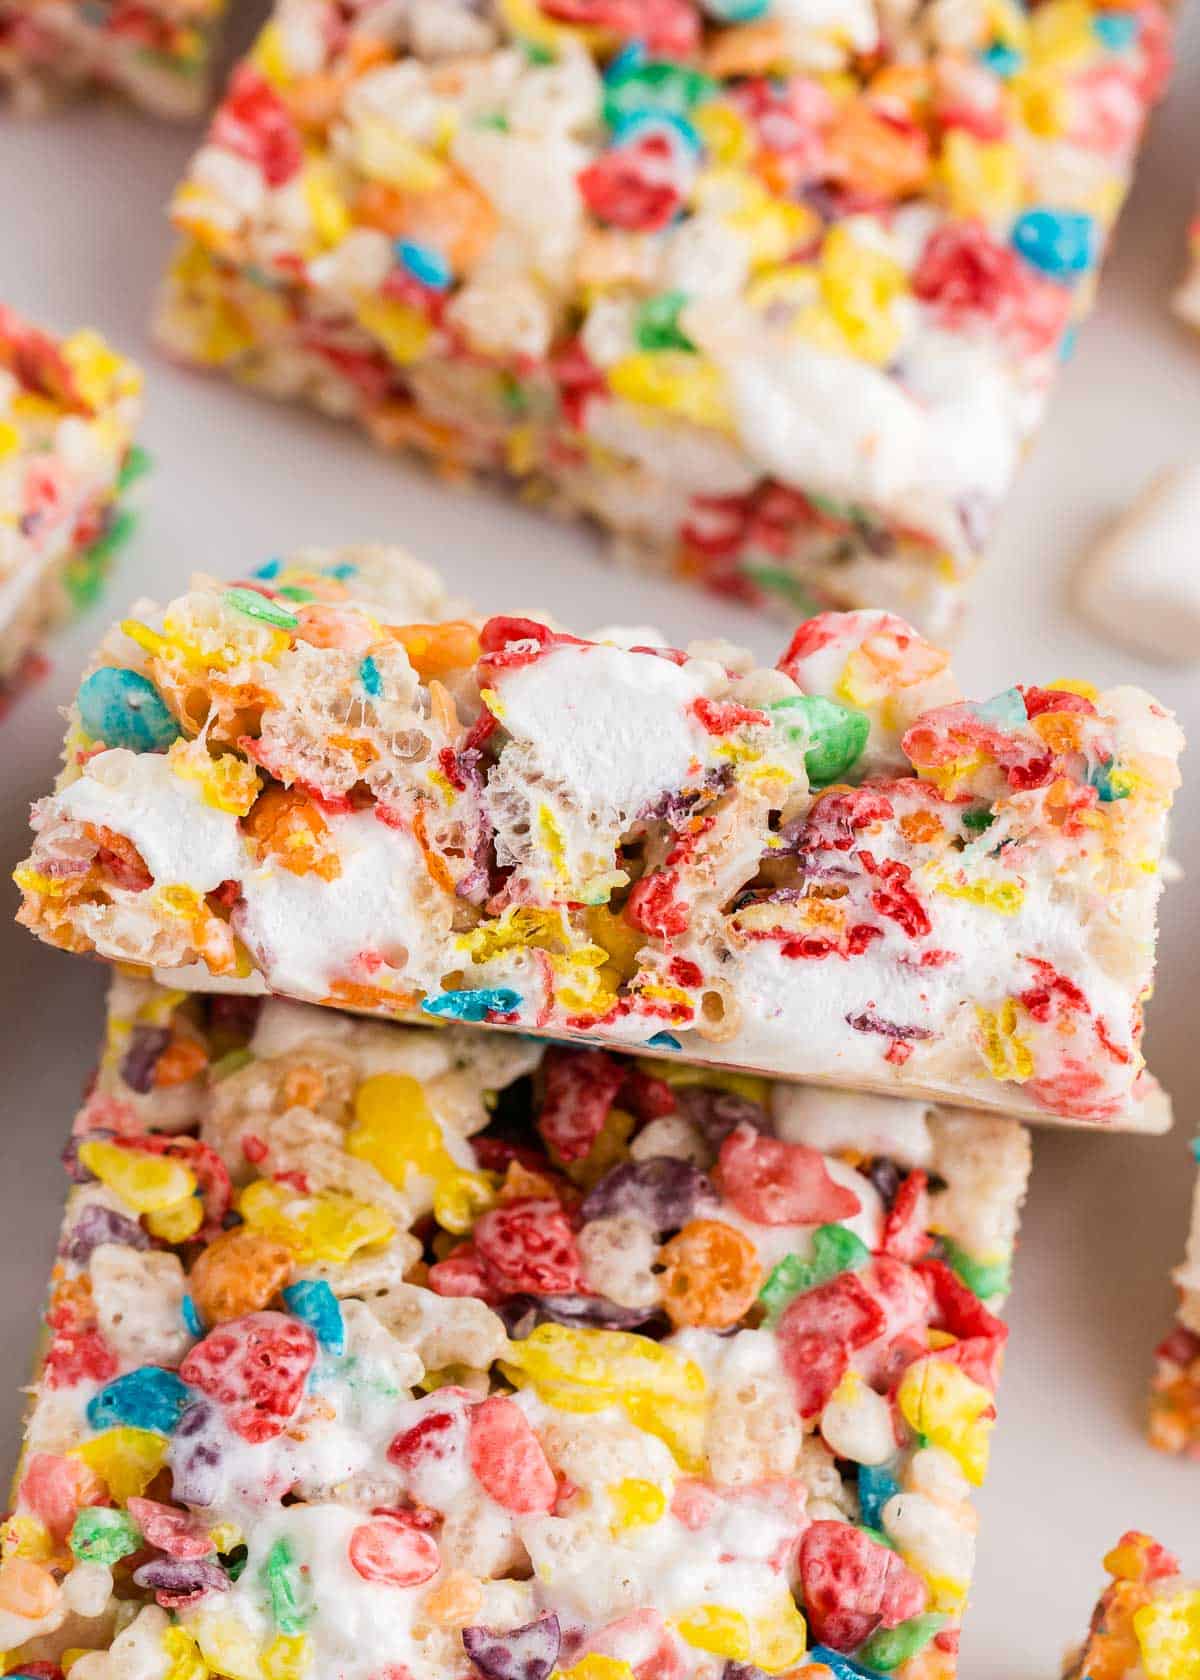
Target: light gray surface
[[82, 238]]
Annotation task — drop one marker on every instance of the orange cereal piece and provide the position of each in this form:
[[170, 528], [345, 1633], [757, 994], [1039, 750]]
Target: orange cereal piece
[[712, 1275], [182, 1060], [876, 153], [289, 826], [435, 649], [239, 1272], [457, 220]]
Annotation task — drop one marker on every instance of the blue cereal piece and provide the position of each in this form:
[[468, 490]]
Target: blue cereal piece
[[474, 1005], [1062, 244], [123, 708], [1116, 30], [1006, 710], [424, 264], [842, 1668], [147, 1398], [314, 1303], [663, 1041], [369, 677], [190, 1317], [875, 1487]]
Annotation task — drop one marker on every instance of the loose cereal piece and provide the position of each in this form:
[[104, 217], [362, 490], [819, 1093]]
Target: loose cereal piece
[[1146, 1622], [156, 54], [1138, 585], [69, 408], [775, 293], [276, 1436], [837, 869], [1175, 1391]]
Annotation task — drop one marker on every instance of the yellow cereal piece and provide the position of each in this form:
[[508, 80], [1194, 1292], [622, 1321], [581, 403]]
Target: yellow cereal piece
[[385, 153], [596, 1666], [980, 177], [939, 1401], [326, 206], [778, 1640], [24, 1536], [1005, 897], [10, 439], [1041, 102], [269, 56], [183, 1654], [460, 1197], [227, 1645], [860, 285], [727, 136], [1168, 1635], [636, 1503], [287, 1657], [126, 1459], [678, 1424], [175, 1224], [227, 783], [679, 1074], [395, 1129], [1007, 1055], [612, 1361], [676, 381], [552, 840], [718, 1628], [328, 1225], [402, 330], [146, 1183], [1061, 33]]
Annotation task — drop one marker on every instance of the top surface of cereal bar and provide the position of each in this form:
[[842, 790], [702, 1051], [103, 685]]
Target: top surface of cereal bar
[[835, 869], [380, 1352], [777, 289]]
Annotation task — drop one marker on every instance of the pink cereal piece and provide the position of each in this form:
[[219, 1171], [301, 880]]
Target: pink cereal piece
[[178, 1533], [777, 1183], [507, 1457], [393, 1550]]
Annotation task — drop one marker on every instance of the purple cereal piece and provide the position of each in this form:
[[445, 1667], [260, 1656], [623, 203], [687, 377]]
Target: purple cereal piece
[[146, 1045], [181, 1580], [97, 1225], [717, 1113], [522, 1653], [664, 1191], [195, 1456], [523, 1313]]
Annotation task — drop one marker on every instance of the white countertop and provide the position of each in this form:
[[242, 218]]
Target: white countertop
[[237, 479]]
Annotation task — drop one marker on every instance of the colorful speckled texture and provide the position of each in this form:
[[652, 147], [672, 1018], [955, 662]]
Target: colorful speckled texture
[[357, 1363], [836, 868], [1146, 1625], [69, 408], [777, 293], [154, 52]]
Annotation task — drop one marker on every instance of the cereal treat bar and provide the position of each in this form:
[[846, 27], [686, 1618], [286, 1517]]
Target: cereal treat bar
[[1187, 298], [155, 52], [1175, 1393], [68, 411], [1146, 1625], [386, 1353], [775, 291], [835, 869]]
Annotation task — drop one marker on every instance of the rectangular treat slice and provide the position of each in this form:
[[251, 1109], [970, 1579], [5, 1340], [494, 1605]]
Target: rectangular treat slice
[[69, 409], [778, 296], [358, 1365], [1175, 1392], [836, 869], [1146, 1625], [156, 53]]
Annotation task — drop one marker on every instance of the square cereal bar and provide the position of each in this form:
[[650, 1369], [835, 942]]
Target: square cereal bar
[[359, 1362], [837, 869], [68, 412], [154, 52], [1146, 1625], [1175, 1392], [776, 293]]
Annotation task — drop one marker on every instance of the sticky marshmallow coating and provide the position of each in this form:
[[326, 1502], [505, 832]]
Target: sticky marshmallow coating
[[776, 293], [369, 1347], [835, 870], [1146, 1621], [156, 54], [69, 409], [1175, 1389]]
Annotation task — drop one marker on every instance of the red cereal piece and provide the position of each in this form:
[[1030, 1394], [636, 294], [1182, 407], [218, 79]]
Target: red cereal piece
[[777, 1183], [818, 1332], [394, 1550], [905, 1233], [529, 1246], [79, 1356], [255, 1367], [178, 1533], [507, 1457], [852, 1585], [255, 123], [580, 1088]]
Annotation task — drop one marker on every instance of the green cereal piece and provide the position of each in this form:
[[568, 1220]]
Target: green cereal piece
[[836, 734], [656, 324], [835, 1249], [284, 1587], [253, 605], [101, 1534], [981, 1277], [889, 1647]]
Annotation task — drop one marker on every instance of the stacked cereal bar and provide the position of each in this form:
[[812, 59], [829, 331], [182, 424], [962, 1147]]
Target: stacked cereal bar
[[1146, 1625], [776, 291], [155, 52], [836, 869], [1175, 1393], [1187, 298], [396, 1354], [68, 410]]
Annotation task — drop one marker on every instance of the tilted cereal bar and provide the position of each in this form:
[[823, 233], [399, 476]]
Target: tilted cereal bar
[[1146, 1625], [1187, 298], [381, 1352], [776, 292], [836, 869], [155, 52], [68, 411], [1175, 1393]]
